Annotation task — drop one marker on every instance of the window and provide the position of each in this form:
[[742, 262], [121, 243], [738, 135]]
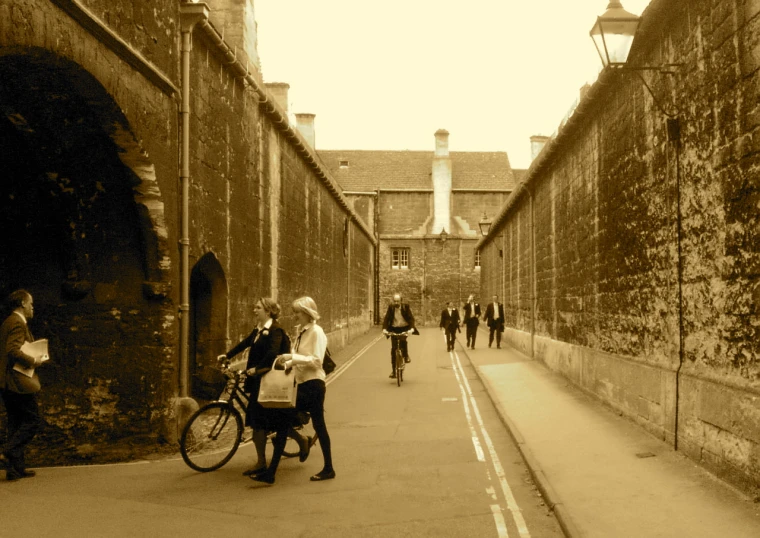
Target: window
[[343, 163], [400, 258], [477, 258]]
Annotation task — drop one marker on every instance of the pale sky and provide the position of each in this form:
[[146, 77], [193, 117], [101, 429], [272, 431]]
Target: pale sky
[[387, 75]]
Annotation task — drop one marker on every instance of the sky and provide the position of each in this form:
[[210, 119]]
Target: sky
[[387, 75]]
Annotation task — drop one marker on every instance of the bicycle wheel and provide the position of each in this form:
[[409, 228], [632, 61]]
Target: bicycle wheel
[[211, 436], [399, 366]]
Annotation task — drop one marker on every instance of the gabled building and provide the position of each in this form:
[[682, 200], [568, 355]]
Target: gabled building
[[424, 208]]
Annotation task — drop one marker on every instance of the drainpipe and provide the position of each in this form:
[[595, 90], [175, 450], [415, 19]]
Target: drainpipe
[[190, 15]]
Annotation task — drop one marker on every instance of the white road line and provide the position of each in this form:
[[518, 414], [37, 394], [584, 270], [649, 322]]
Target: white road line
[[522, 528], [343, 367], [473, 433], [498, 517]]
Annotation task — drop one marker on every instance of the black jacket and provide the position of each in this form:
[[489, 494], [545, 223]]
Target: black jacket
[[450, 322], [406, 313], [272, 342]]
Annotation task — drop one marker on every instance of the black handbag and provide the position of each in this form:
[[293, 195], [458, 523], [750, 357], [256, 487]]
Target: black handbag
[[328, 364]]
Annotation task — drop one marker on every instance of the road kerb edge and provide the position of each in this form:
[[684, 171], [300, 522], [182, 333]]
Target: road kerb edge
[[539, 477]]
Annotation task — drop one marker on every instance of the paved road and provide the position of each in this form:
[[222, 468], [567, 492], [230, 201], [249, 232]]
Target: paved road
[[430, 458]]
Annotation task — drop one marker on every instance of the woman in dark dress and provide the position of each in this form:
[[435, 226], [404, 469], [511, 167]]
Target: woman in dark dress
[[266, 342]]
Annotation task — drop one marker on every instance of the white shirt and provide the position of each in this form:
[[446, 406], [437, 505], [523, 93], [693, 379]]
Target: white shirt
[[307, 354]]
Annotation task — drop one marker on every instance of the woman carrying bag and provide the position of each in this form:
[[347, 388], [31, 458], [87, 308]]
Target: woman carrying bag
[[306, 360], [266, 342]]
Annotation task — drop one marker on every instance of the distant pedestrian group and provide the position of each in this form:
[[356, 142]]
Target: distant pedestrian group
[[451, 322]]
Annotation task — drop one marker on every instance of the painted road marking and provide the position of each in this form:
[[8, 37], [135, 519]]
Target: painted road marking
[[498, 517], [343, 367], [501, 475]]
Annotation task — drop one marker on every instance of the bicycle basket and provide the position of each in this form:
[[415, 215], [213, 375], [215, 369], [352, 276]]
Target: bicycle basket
[[210, 382]]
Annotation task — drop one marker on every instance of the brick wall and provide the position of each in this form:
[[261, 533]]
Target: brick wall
[[651, 313]]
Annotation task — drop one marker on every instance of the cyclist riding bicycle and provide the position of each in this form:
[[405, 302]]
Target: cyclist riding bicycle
[[398, 319]]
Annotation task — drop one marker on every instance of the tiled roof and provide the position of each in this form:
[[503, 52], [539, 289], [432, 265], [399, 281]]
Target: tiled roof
[[368, 170]]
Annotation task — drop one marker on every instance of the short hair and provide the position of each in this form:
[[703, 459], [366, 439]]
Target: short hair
[[17, 298], [307, 306], [270, 306]]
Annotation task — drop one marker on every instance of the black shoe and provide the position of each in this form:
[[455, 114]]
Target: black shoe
[[257, 470], [393, 375], [12, 476], [26, 473], [267, 478], [323, 475], [305, 448]]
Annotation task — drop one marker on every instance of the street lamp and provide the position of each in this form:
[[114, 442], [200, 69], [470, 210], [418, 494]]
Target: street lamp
[[485, 225], [444, 235], [613, 34]]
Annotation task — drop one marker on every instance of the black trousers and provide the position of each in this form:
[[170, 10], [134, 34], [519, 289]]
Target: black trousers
[[497, 329], [311, 399], [24, 421], [451, 337], [398, 342], [472, 331]]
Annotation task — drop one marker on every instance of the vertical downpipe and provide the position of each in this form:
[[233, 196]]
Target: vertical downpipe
[[532, 278], [190, 15], [675, 138]]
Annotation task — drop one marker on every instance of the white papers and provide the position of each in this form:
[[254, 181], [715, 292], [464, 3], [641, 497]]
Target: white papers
[[36, 349]]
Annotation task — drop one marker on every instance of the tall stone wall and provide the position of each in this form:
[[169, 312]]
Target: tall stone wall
[[644, 256], [104, 133]]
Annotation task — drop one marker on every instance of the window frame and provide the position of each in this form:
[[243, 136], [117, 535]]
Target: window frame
[[397, 258]]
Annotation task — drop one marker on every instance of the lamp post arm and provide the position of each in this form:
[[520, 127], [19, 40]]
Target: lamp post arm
[[674, 111]]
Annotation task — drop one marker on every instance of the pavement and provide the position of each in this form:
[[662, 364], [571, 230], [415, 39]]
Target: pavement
[[603, 475]]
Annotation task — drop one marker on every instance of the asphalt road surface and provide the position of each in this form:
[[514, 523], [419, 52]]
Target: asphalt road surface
[[429, 458]]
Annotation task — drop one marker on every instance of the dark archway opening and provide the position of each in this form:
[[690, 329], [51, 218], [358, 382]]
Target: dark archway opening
[[75, 237], [208, 317]]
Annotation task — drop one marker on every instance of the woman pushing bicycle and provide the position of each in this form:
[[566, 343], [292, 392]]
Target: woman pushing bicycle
[[306, 358], [267, 341]]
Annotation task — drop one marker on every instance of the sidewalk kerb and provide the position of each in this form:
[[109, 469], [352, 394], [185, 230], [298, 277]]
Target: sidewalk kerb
[[534, 467]]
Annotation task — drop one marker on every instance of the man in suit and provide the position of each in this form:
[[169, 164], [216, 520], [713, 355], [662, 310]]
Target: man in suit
[[471, 320], [495, 319], [450, 324], [24, 420], [398, 319]]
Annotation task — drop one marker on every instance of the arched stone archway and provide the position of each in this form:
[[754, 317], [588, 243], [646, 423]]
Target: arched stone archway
[[208, 315], [83, 230]]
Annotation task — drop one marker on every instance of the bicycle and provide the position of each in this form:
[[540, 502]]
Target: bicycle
[[214, 432], [399, 355]]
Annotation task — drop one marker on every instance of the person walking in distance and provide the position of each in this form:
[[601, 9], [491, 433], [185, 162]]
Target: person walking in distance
[[495, 319], [471, 320], [450, 324], [398, 319], [24, 420]]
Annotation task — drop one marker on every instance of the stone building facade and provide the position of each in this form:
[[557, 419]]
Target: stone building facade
[[631, 255], [425, 207], [97, 169]]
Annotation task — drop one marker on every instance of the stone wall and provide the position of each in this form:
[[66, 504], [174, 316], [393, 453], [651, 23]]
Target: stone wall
[[641, 282], [97, 144]]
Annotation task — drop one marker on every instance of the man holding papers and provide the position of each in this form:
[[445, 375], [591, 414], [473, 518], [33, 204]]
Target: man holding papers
[[17, 387]]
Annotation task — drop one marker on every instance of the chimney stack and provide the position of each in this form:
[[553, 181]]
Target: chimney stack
[[279, 91], [537, 143], [305, 125], [441, 143], [441, 183]]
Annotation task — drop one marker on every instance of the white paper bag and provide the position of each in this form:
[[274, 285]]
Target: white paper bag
[[278, 389]]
